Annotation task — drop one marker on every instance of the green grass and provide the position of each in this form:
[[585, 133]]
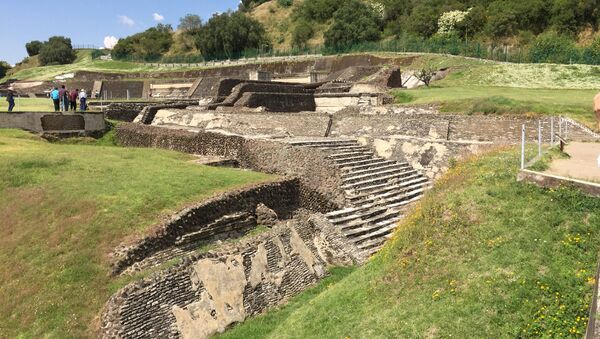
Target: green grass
[[29, 105], [63, 208], [481, 256], [577, 104]]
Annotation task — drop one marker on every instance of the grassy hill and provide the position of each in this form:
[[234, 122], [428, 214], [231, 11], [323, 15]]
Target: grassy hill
[[63, 208], [481, 256], [31, 71]]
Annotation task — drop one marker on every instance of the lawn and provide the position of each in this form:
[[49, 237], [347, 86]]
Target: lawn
[[481, 256], [28, 105], [574, 103], [63, 208]]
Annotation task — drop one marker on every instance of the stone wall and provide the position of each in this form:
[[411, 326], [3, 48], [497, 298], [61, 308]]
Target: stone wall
[[239, 90], [278, 102], [118, 89], [89, 122], [128, 111], [320, 179], [209, 292], [281, 196]]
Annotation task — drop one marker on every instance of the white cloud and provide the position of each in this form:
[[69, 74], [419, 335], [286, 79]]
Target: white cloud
[[157, 17], [125, 20], [110, 42]]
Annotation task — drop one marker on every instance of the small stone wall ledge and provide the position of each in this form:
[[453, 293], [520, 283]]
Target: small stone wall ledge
[[553, 181]]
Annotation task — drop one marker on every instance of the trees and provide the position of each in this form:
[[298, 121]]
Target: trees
[[302, 33], [4, 68], [354, 22], [148, 45], [57, 51], [229, 34], [33, 47], [190, 22]]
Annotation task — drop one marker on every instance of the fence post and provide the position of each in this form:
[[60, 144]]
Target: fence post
[[540, 137], [128, 94], [552, 132], [523, 147], [566, 129]]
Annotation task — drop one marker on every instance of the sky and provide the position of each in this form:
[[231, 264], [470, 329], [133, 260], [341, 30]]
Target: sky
[[90, 22]]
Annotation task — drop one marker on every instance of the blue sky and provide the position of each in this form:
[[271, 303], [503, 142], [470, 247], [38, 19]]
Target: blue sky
[[89, 22]]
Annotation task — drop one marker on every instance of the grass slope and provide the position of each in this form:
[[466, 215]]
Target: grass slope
[[482, 256], [84, 62], [63, 208]]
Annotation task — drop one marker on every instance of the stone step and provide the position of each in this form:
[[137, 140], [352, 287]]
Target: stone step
[[341, 212], [383, 188], [406, 180], [370, 161], [368, 229], [351, 174], [392, 194], [372, 246], [343, 148], [351, 159], [375, 217], [393, 201], [344, 219], [379, 233], [381, 179], [345, 155], [323, 143], [366, 166], [376, 174]]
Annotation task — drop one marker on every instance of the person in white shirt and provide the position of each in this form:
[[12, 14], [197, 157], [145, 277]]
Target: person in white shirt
[[82, 100]]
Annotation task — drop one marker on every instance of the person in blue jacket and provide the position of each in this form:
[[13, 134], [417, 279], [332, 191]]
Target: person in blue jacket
[[11, 100], [55, 96]]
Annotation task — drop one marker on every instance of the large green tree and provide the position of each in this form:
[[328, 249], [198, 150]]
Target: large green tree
[[228, 34], [354, 22], [148, 45], [57, 51]]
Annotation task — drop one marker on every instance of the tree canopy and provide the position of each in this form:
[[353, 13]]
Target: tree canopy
[[57, 51], [148, 45]]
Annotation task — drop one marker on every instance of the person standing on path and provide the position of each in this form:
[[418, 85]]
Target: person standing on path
[[82, 100], [55, 96], [73, 99], [597, 108], [10, 98], [61, 97]]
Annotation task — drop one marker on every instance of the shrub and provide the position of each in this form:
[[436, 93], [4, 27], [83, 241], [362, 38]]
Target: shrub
[[353, 23], [57, 51], [229, 34], [553, 48], [285, 3], [302, 33], [148, 45], [591, 53], [4, 68], [34, 47]]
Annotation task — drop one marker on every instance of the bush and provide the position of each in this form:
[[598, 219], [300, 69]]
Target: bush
[[302, 33], [34, 47], [4, 68], [148, 45], [229, 34], [553, 48], [285, 3], [353, 23], [57, 51], [591, 53]]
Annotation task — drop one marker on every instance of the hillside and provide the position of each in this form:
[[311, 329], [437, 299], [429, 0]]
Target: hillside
[[65, 207], [481, 256]]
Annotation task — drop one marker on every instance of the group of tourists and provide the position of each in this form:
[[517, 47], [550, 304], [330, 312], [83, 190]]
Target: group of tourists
[[65, 100]]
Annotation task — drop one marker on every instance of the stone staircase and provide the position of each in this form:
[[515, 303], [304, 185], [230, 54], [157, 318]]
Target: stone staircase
[[377, 191]]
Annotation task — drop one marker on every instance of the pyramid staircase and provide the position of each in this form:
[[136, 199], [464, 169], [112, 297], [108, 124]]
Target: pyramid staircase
[[377, 191]]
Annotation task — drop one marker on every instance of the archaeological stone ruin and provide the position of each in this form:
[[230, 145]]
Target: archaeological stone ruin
[[351, 165]]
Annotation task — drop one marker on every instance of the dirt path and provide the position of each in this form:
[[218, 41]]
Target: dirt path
[[583, 163]]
